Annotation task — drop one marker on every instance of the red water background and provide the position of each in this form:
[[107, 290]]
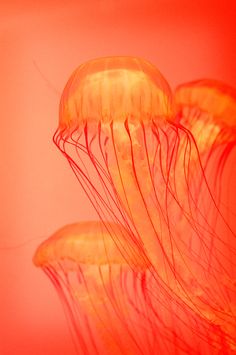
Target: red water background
[[41, 43]]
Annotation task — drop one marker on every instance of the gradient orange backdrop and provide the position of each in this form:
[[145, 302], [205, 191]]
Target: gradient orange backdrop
[[41, 43]]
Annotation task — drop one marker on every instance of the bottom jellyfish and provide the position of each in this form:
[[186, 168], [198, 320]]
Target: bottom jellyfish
[[115, 303]]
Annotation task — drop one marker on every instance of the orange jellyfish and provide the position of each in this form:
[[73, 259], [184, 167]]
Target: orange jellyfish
[[105, 298], [110, 305], [92, 277], [118, 130], [208, 109]]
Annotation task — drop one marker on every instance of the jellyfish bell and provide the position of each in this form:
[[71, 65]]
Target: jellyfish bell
[[208, 101], [114, 89], [77, 242]]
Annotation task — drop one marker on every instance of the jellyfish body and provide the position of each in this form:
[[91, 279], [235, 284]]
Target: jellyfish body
[[92, 277], [117, 129], [208, 109], [105, 293], [108, 297]]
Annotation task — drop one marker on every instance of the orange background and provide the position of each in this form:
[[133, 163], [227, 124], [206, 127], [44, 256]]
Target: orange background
[[41, 43]]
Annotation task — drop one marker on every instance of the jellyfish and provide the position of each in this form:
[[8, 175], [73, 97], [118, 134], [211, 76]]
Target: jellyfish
[[133, 159], [92, 277], [116, 131], [106, 296], [208, 109]]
